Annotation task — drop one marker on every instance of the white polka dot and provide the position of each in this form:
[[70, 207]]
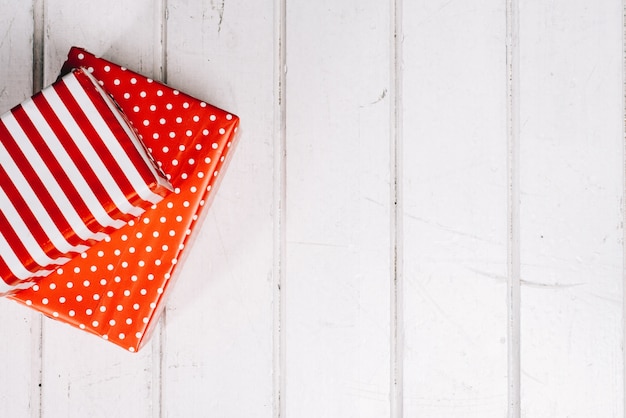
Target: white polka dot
[[95, 324], [191, 161], [127, 95], [186, 105], [72, 313], [169, 106], [175, 92], [116, 82], [207, 160], [214, 145], [52, 286], [146, 122], [205, 132], [44, 301], [179, 119], [229, 116], [162, 121], [196, 118], [127, 292], [133, 80], [121, 336], [159, 92], [198, 147], [77, 269], [212, 118], [81, 56], [172, 134], [153, 107], [89, 312], [62, 299], [202, 104], [112, 322], [142, 94], [136, 109], [69, 285], [222, 131]]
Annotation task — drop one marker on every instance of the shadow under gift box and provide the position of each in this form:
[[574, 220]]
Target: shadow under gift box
[[72, 171], [117, 288]]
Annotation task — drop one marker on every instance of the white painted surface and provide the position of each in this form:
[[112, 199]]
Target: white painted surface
[[354, 262]]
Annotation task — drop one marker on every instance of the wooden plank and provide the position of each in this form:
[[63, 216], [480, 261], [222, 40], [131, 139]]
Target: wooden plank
[[338, 210], [455, 208], [19, 350], [218, 347], [82, 375], [571, 222]]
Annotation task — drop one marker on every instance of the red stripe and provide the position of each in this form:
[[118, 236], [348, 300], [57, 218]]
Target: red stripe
[[55, 168], [7, 275], [76, 155], [17, 246], [40, 189], [130, 149], [28, 216], [94, 136]]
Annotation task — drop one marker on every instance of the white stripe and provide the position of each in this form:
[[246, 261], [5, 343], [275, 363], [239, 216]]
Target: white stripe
[[48, 179], [69, 167], [24, 234], [113, 144], [88, 151], [15, 265], [4, 288], [36, 206]]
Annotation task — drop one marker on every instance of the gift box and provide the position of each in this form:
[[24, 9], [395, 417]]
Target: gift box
[[71, 171], [117, 288]]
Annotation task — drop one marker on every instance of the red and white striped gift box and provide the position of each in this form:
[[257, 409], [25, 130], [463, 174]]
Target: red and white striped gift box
[[72, 171]]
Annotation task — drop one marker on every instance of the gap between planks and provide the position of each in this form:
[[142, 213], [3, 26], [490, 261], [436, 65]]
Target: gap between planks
[[513, 218], [396, 225], [623, 203], [279, 355]]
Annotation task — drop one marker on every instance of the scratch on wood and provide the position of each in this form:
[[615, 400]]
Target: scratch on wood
[[219, 8]]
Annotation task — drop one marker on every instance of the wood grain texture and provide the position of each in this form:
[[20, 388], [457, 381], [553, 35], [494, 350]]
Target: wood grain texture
[[327, 88], [218, 347], [571, 220], [82, 376], [455, 209], [338, 216], [19, 394]]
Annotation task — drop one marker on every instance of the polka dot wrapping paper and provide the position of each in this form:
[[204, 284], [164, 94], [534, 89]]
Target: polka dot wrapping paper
[[67, 180], [117, 288]]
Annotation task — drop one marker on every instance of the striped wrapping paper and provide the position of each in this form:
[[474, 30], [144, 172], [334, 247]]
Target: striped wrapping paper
[[72, 171]]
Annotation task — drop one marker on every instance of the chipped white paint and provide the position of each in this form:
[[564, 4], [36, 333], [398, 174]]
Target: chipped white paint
[[354, 262]]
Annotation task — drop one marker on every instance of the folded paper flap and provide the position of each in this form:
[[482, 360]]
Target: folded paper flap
[[150, 172], [67, 179], [117, 288]]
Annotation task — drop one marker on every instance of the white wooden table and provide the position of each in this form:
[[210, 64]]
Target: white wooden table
[[424, 217]]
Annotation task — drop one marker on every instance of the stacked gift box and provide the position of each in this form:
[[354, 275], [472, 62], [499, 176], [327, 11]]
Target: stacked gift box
[[104, 176]]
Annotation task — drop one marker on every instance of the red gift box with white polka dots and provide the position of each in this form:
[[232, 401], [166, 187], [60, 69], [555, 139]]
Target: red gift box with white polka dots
[[117, 288]]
